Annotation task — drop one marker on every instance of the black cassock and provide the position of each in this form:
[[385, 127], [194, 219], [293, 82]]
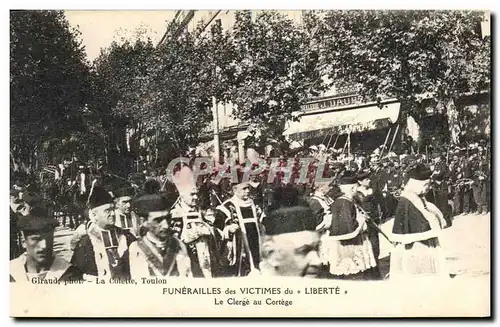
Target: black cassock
[[247, 239]]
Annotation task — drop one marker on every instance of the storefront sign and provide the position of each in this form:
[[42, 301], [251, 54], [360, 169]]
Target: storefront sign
[[333, 103]]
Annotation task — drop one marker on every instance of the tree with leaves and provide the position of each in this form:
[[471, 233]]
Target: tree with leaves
[[272, 71], [162, 93], [48, 84], [408, 55]]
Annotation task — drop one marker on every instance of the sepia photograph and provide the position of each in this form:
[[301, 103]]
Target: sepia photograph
[[250, 163]]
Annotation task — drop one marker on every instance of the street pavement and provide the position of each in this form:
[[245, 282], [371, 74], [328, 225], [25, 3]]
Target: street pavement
[[467, 245]]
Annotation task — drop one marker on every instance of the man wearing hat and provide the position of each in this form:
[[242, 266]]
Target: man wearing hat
[[438, 190], [290, 245], [125, 218], [416, 231], [103, 250], [239, 219], [348, 249], [38, 264], [26, 201], [192, 225], [159, 253], [378, 183], [394, 182], [480, 185], [457, 187]]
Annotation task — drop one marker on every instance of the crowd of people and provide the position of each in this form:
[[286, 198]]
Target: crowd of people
[[150, 225]]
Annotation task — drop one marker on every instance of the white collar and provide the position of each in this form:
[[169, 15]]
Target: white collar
[[119, 213], [241, 203], [156, 241], [184, 206], [254, 184], [412, 196], [321, 195], [18, 270]]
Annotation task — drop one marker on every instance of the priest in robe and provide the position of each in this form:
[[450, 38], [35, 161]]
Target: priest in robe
[[417, 229], [103, 251], [239, 219], [348, 250], [193, 226]]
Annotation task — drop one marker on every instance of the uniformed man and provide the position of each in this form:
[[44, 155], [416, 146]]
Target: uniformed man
[[457, 185], [378, 183], [468, 199], [365, 199], [479, 186], [394, 183], [438, 193], [39, 261], [159, 253], [239, 218], [103, 250]]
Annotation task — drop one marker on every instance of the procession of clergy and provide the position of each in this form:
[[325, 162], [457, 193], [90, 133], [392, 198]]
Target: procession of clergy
[[330, 234]]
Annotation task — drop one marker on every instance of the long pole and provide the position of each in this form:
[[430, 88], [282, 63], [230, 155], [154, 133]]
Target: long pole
[[329, 140], [324, 138], [345, 145], [385, 142], [349, 146], [394, 138], [335, 143]]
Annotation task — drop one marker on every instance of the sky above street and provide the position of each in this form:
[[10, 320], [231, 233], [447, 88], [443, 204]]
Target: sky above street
[[100, 28]]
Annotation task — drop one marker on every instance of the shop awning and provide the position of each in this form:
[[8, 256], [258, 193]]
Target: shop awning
[[342, 121]]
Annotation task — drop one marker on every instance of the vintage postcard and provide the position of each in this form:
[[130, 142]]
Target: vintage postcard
[[250, 163]]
